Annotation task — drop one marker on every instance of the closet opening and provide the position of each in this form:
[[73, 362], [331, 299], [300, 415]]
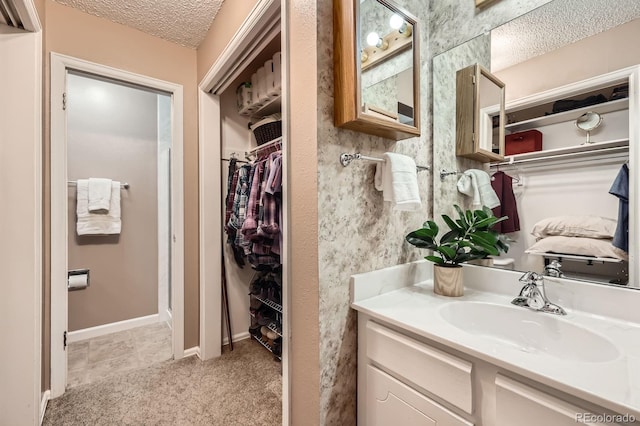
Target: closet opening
[[243, 154]]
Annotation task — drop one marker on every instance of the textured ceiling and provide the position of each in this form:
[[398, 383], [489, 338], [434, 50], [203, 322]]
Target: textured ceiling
[[554, 25], [185, 22]]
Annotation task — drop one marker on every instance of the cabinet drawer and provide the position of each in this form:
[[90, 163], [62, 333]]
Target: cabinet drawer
[[390, 402], [519, 404], [438, 372]]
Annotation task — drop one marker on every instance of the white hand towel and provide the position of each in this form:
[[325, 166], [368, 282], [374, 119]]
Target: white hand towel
[[88, 223], [397, 178], [477, 185], [99, 195]]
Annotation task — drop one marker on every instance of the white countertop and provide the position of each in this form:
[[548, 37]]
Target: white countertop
[[613, 384]]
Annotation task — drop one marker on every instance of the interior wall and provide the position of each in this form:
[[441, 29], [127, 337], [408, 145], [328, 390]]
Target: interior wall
[[112, 132], [357, 230], [227, 21], [20, 226], [71, 32], [571, 63], [235, 138]]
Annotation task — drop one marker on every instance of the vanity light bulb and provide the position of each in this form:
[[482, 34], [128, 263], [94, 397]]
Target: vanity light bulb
[[373, 39], [396, 21]]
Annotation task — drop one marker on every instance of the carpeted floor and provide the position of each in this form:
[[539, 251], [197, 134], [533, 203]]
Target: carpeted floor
[[243, 387]]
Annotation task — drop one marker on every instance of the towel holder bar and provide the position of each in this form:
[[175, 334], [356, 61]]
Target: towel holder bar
[[444, 173], [123, 185], [346, 159]]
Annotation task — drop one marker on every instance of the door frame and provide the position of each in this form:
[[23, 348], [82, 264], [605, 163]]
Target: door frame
[[59, 215]]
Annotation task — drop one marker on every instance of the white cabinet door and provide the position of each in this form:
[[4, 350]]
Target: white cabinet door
[[390, 402], [519, 404]]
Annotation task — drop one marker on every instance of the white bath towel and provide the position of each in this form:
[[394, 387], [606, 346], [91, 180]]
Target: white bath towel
[[88, 223], [397, 178], [99, 195], [477, 185]]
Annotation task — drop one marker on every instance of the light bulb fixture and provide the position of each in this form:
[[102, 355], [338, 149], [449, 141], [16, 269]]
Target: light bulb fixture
[[374, 40], [363, 56], [398, 23]]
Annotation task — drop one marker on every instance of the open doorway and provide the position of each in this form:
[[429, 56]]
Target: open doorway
[[116, 274]]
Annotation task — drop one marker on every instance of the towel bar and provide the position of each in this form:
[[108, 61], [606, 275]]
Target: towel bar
[[346, 159], [123, 185]]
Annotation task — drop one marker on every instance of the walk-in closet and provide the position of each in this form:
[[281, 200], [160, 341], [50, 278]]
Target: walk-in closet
[[251, 178]]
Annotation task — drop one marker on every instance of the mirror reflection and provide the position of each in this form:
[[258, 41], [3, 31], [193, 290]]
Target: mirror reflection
[[386, 63], [568, 201]]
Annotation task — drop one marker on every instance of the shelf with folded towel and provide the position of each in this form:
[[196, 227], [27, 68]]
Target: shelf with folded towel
[[123, 185]]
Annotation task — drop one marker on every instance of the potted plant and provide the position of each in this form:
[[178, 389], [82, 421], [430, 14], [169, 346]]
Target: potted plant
[[470, 237]]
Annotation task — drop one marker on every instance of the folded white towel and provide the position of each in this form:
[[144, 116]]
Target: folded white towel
[[397, 178], [477, 184], [99, 195], [88, 223]]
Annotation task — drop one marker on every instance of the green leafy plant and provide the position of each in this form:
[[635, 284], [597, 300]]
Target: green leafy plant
[[470, 237]]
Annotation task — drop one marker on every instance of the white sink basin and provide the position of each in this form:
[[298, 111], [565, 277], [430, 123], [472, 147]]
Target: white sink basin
[[529, 331]]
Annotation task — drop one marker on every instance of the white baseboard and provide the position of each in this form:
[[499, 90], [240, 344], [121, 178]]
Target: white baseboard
[[43, 404], [236, 337], [101, 330], [192, 351]]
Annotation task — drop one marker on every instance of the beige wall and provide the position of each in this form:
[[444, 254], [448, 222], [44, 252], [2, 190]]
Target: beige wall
[[115, 138], [71, 32], [227, 21], [596, 55], [302, 183]]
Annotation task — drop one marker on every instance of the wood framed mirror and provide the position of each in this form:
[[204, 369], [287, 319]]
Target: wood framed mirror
[[376, 69], [480, 115]]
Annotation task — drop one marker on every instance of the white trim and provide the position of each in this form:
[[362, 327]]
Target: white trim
[[192, 351], [29, 15], [237, 337], [59, 65], [210, 225], [114, 327], [286, 242], [261, 20], [632, 76], [46, 395]]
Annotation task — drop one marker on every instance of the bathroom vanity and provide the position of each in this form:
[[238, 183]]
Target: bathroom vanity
[[425, 359]]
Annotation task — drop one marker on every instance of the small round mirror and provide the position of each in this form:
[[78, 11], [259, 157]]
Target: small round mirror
[[588, 122]]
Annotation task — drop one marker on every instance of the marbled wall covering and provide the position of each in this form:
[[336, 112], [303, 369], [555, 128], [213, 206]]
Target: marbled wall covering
[[383, 94], [445, 65], [357, 231]]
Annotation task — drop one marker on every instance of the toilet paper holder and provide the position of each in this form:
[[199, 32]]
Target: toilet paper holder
[[77, 286]]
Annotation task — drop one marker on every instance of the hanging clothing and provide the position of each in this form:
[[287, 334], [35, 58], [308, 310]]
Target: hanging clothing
[[232, 179], [620, 189], [502, 184], [254, 211]]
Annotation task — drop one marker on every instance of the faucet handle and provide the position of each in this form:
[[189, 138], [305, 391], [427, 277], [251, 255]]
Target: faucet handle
[[530, 277]]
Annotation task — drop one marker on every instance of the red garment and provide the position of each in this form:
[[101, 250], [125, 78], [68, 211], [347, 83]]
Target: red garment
[[502, 185]]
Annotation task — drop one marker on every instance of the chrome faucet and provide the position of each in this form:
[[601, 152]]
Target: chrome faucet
[[553, 269], [533, 296]]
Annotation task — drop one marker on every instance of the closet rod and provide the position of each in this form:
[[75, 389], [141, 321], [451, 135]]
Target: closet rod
[[264, 146], [237, 161], [123, 185]]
